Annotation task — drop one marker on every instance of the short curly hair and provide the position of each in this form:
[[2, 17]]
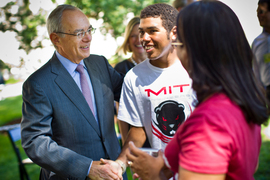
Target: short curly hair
[[167, 14]]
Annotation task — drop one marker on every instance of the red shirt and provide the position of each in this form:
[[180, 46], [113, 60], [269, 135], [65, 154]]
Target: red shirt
[[216, 139]]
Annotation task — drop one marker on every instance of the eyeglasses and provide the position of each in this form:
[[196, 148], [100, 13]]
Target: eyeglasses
[[177, 44], [81, 34]]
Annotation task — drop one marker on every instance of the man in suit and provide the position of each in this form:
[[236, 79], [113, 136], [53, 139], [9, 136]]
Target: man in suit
[[61, 131]]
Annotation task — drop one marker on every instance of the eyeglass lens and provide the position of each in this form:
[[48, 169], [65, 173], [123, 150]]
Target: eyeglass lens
[[89, 31]]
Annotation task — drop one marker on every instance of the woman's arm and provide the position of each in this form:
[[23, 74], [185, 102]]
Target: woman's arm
[[184, 174]]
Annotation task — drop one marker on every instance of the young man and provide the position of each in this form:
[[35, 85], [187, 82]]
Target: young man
[[156, 95], [261, 46]]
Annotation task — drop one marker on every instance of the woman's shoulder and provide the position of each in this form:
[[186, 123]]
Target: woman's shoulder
[[218, 106], [123, 66]]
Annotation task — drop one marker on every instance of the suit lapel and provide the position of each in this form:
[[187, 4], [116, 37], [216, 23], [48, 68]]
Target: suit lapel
[[72, 91], [97, 88]]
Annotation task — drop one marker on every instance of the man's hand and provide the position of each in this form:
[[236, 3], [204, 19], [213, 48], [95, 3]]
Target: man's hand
[[116, 166], [101, 171]]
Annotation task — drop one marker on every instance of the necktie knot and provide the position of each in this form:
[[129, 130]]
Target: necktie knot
[[80, 69]]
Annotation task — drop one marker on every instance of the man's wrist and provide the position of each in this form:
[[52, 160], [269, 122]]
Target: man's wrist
[[122, 164]]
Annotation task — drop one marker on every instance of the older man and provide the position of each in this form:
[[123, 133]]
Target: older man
[[68, 105]]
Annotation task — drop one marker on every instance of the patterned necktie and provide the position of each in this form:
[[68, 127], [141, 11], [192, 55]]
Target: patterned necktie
[[85, 87]]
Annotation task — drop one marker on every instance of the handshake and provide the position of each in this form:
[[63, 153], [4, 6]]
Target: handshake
[[113, 170], [107, 169]]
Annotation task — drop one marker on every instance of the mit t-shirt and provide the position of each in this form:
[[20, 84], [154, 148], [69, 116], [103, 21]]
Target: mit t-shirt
[[158, 99], [216, 139]]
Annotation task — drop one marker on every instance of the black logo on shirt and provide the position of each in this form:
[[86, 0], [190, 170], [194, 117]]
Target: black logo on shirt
[[170, 115]]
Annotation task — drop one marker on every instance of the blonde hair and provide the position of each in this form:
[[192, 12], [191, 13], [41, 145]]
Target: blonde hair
[[125, 46]]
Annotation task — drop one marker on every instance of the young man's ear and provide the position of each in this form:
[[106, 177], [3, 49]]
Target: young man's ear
[[174, 34], [55, 39]]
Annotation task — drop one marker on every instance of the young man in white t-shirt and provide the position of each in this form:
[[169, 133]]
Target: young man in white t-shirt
[[156, 95]]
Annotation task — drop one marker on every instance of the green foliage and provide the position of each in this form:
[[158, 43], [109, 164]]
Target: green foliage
[[3, 65], [11, 80], [115, 59], [113, 12], [26, 19]]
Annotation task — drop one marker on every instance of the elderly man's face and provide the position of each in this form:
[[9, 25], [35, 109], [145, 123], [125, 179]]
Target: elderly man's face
[[71, 47], [263, 15]]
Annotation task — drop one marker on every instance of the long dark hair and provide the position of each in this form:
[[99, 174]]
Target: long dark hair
[[220, 58]]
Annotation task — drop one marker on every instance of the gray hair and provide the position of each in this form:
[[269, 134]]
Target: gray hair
[[54, 21]]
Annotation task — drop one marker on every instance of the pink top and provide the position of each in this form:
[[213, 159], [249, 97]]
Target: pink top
[[216, 139]]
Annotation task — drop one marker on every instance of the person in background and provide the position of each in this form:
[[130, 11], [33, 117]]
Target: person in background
[[68, 105], [156, 96], [131, 44], [2, 81], [222, 137], [261, 46], [180, 4]]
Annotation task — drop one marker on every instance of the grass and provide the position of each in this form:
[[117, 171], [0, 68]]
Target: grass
[[10, 109], [263, 172], [11, 81], [9, 169]]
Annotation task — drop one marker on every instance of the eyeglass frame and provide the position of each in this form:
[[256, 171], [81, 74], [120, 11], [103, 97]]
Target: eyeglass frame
[[90, 31]]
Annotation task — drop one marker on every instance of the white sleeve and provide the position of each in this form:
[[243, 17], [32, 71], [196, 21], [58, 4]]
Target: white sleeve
[[128, 107]]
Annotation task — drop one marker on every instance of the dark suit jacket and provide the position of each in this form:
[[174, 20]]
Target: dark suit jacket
[[59, 132]]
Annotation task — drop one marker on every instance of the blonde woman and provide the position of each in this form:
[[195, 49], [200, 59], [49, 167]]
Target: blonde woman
[[131, 44]]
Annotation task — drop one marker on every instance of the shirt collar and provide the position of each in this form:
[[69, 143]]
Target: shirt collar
[[70, 66]]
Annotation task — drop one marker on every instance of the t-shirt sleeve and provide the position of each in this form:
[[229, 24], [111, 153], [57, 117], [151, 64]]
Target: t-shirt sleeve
[[205, 145], [128, 108]]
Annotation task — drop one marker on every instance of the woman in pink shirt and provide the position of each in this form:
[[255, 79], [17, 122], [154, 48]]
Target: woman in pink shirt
[[221, 139]]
